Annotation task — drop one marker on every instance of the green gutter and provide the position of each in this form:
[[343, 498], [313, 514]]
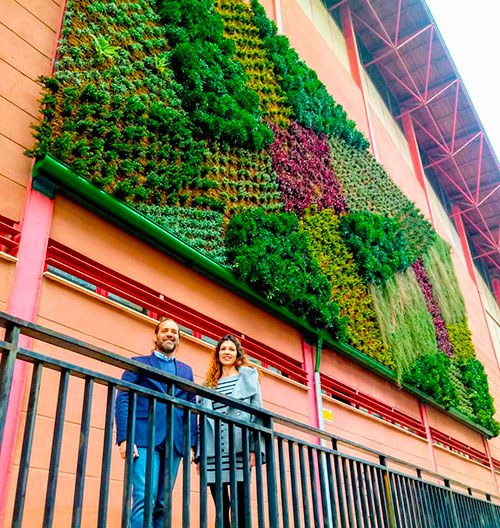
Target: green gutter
[[82, 191]]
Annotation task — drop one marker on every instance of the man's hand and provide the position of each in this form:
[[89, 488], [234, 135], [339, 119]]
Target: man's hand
[[252, 459], [123, 450]]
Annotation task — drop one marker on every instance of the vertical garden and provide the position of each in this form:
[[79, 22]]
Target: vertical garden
[[200, 116]]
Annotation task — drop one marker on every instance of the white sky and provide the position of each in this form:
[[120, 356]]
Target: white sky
[[471, 30]]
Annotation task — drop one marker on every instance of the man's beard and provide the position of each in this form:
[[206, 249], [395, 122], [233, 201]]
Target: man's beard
[[167, 346]]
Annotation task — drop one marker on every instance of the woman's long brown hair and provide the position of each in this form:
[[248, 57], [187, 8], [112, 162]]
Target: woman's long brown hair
[[214, 371]]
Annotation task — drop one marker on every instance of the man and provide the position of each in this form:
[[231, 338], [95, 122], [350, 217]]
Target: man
[[166, 340]]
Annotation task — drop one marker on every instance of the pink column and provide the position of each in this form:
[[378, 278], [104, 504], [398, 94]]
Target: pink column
[[23, 303], [416, 160], [309, 368], [356, 67], [278, 19], [425, 421], [490, 461], [459, 224]]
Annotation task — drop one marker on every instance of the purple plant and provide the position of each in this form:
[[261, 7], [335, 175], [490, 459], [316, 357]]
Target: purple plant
[[442, 336], [301, 159]]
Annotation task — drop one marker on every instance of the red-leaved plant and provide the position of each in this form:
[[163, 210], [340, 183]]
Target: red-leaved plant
[[442, 336], [301, 160]]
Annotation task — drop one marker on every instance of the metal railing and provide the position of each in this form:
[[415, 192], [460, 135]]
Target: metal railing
[[303, 477]]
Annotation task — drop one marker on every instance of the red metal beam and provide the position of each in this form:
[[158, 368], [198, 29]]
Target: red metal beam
[[455, 113], [479, 165], [496, 290], [23, 303], [429, 55], [396, 47], [425, 421], [398, 20]]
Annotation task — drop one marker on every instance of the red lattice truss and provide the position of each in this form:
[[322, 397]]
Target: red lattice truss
[[400, 39]]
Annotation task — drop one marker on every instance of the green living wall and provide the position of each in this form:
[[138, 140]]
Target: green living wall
[[200, 116]]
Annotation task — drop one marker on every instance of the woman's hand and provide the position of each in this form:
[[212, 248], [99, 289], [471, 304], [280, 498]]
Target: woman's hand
[[252, 459]]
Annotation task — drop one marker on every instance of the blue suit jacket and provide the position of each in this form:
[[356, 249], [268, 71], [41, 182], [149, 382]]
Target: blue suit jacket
[[142, 379]]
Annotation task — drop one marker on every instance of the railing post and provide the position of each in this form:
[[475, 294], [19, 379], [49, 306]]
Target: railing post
[[388, 493], [6, 370], [272, 491], [451, 496]]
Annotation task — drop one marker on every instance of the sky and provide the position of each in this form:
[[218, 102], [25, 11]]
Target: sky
[[471, 31]]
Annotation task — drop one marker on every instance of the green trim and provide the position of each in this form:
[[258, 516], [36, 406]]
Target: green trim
[[135, 223]]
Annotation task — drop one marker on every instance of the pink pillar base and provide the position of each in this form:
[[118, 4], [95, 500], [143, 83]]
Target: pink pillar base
[[490, 461], [425, 421], [23, 303], [309, 368]]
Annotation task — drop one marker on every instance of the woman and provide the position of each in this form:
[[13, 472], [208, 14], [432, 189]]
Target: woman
[[230, 373]]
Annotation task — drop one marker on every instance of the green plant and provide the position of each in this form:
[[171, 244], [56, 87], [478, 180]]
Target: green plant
[[348, 289], [378, 244], [214, 85], [200, 229], [430, 373], [368, 187], [476, 382], [269, 252], [312, 105], [104, 48], [119, 123], [463, 403], [405, 322], [439, 267]]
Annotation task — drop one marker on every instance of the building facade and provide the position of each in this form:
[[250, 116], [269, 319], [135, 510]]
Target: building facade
[[74, 261]]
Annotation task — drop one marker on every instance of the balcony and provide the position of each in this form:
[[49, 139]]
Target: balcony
[[66, 472]]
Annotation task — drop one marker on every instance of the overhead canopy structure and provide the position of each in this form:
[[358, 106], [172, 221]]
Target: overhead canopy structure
[[401, 44]]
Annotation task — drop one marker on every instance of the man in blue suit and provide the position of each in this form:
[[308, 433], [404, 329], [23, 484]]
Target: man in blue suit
[[166, 341]]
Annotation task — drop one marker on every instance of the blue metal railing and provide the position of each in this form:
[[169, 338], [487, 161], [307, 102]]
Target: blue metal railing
[[298, 481]]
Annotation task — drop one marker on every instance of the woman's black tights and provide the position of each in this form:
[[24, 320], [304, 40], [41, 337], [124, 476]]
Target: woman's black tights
[[226, 504]]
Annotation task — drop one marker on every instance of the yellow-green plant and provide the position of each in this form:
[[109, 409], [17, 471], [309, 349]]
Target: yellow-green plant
[[461, 339], [348, 288], [239, 26]]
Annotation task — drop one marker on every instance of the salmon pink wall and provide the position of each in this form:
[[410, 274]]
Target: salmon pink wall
[[27, 39], [6, 274], [76, 227], [343, 369], [374, 433], [395, 164]]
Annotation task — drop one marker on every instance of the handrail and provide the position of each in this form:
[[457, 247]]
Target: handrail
[[72, 344]]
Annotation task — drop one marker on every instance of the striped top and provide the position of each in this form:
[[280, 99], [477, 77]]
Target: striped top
[[225, 386]]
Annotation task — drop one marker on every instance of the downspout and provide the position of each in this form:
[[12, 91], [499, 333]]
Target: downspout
[[321, 425]]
